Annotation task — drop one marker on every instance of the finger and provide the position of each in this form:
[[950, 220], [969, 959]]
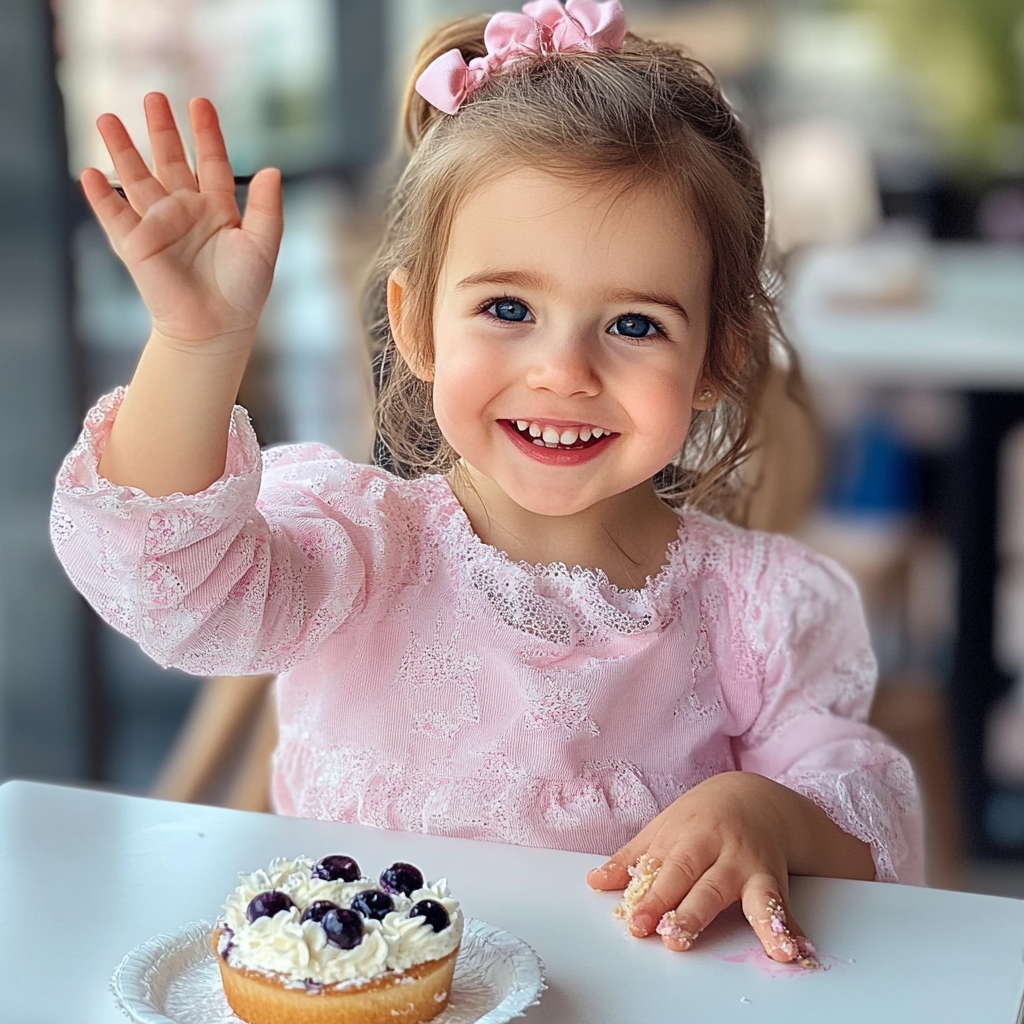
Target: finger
[[264, 218], [113, 212], [140, 187], [681, 867], [766, 907], [169, 160], [614, 873], [213, 168], [709, 895]]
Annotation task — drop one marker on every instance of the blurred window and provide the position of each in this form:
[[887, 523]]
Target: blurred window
[[267, 65]]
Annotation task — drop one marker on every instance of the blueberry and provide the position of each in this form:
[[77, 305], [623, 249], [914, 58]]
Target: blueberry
[[344, 928], [336, 867], [435, 914], [267, 904], [316, 910], [401, 878], [373, 903]]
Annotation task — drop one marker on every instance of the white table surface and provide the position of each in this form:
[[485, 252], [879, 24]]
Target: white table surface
[[967, 334], [87, 875]]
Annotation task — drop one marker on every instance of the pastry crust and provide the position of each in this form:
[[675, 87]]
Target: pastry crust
[[415, 995]]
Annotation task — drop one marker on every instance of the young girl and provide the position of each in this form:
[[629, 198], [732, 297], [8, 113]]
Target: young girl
[[533, 633]]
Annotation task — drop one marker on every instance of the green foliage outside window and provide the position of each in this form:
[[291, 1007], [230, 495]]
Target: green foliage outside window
[[969, 57]]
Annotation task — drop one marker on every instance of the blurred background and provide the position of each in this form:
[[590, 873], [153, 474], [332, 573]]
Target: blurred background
[[892, 139]]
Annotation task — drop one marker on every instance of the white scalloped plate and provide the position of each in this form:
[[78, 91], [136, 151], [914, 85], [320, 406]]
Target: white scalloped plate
[[174, 979]]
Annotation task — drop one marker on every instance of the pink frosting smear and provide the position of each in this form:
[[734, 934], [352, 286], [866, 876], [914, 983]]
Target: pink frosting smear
[[756, 957]]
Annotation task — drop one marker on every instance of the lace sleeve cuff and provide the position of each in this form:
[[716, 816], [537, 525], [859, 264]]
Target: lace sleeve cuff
[[114, 541], [80, 472], [882, 812]]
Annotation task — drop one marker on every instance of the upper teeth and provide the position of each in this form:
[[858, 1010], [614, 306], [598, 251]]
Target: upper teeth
[[544, 433]]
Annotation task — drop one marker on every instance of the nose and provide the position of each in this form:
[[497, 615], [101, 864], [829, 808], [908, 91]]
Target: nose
[[563, 363]]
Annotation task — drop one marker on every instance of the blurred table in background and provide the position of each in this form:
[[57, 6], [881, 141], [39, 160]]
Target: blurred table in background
[[899, 312], [902, 312]]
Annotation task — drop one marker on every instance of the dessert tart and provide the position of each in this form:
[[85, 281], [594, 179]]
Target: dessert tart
[[318, 943]]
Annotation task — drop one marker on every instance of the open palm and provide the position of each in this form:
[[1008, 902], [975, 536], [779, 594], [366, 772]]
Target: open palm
[[203, 270]]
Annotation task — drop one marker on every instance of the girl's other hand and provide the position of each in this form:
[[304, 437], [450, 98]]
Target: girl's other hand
[[736, 836], [203, 271]]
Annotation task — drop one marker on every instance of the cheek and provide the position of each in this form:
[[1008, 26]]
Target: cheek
[[464, 382], [661, 408]]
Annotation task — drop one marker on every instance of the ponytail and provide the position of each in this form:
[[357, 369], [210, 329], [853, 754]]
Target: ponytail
[[463, 34]]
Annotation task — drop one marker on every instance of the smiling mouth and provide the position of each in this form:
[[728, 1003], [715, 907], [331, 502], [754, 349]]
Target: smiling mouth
[[564, 438]]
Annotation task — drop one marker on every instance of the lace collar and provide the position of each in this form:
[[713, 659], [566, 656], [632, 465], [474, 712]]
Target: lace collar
[[564, 605]]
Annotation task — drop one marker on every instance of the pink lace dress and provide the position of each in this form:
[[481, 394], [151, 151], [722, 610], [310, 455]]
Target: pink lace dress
[[428, 683]]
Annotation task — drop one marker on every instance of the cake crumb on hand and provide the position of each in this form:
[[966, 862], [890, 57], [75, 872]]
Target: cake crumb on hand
[[641, 878], [676, 936], [796, 947]]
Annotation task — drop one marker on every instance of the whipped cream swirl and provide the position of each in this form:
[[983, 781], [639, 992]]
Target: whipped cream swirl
[[299, 951], [411, 940]]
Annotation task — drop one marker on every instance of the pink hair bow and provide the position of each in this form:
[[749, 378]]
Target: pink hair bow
[[545, 26]]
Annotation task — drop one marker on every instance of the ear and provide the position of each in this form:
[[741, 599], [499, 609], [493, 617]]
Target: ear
[[397, 283]]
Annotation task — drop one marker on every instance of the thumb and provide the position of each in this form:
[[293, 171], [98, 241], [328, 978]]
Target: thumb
[[264, 218]]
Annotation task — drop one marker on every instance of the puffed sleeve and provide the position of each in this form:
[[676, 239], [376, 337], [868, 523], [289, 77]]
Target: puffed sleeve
[[247, 576], [811, 732]]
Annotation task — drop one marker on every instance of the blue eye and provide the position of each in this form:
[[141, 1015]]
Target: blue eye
[[509, 309], [634, 326]]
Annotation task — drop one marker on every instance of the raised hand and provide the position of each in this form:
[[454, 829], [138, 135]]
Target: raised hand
[[736, 836], [203, 270]]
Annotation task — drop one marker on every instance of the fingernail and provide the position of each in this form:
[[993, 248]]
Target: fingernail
[[670, 927], [641, 924]]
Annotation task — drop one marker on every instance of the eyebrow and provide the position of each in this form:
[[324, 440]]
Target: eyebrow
[[526, 279], [521, 278]]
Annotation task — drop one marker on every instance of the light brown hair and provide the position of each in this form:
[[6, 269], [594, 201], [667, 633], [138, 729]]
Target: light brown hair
[[645, 116]]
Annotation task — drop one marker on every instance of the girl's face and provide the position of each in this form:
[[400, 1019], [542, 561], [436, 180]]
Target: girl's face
[[576, 314]]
